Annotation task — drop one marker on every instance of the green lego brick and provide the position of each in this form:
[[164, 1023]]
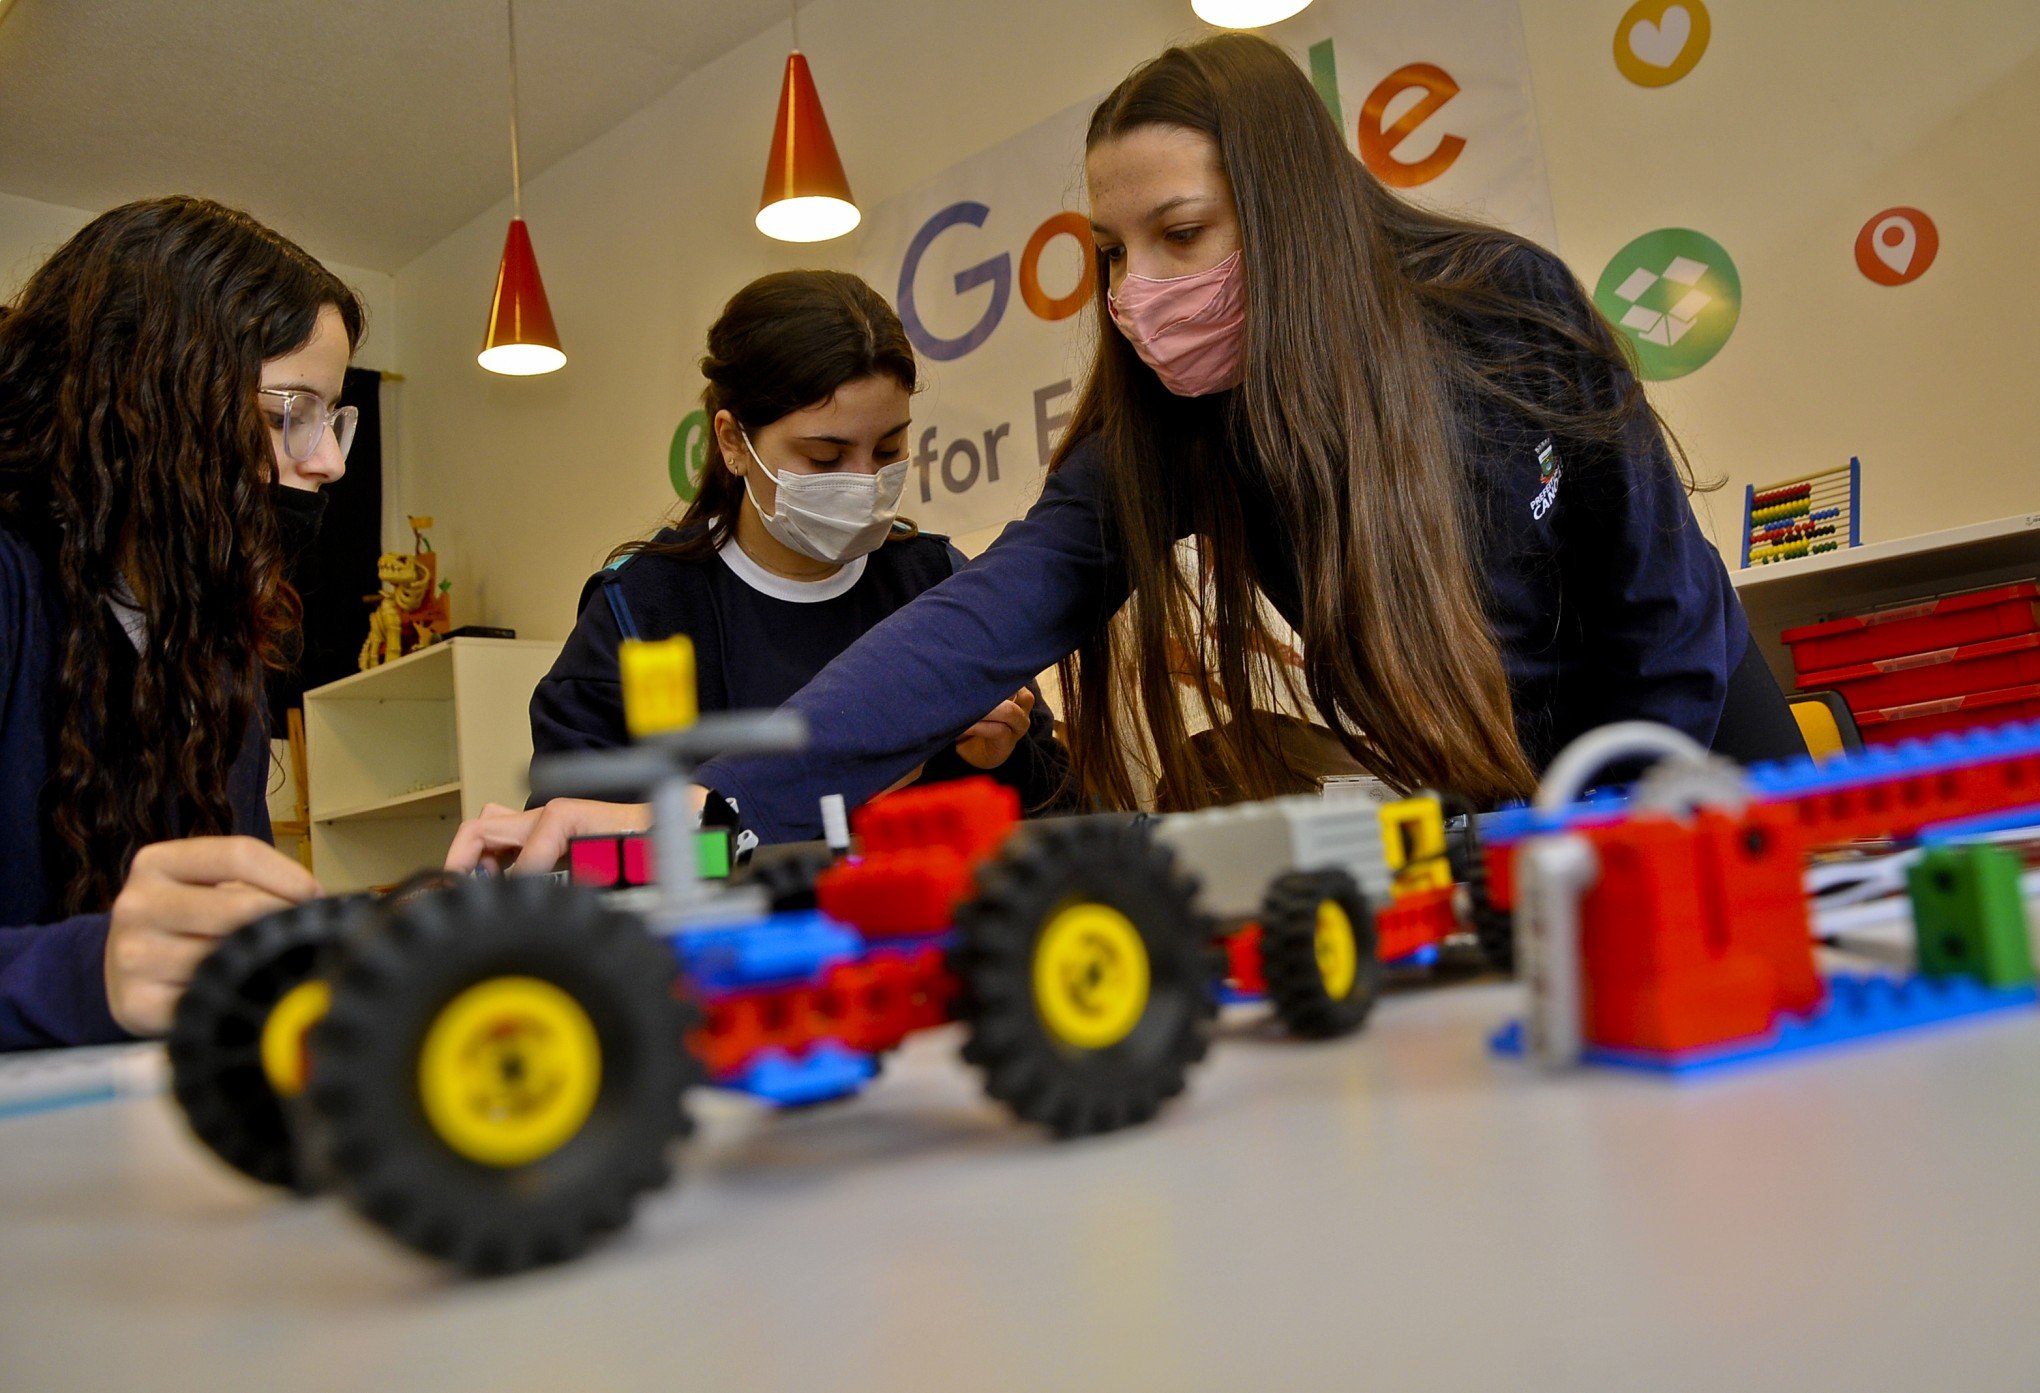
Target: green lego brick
[[1970, 916], [712, 854]]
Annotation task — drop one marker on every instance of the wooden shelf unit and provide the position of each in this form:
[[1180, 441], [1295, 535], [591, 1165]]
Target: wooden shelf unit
[[397, 756]]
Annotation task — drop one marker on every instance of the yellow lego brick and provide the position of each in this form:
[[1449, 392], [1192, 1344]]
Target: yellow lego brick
[[1413, 837], [658, 685]]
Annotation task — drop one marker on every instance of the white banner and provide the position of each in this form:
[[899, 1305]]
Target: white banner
[[988, 264]]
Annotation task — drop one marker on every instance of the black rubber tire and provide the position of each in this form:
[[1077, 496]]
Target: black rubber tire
[[215, 1043], [1289, 961], [1493, 929], [789, 880], [1074, 1091], [367, 1118]]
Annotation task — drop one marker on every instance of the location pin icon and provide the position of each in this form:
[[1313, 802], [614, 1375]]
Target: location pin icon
[[1896, 241]]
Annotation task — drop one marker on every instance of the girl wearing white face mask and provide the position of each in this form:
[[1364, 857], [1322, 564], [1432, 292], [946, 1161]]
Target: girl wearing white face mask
[[793, 549]]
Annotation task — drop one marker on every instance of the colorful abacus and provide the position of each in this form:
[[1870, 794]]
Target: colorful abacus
[[1801, 517]]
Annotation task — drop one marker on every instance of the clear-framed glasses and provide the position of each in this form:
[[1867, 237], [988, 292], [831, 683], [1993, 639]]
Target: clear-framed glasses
[[300, 418]]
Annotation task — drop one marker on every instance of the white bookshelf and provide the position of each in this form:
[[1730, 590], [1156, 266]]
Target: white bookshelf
[[397, 756], [1786, 594]]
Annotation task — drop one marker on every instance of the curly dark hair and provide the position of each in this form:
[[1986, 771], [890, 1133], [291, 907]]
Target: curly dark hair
[[132, 449]]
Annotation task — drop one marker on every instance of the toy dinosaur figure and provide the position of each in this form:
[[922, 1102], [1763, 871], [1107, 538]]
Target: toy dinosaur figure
[[405, 583], [412, 603]]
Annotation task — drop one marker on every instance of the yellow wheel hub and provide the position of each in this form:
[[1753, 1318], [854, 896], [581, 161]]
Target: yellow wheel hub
[[1090, 976], [509, 1071], [283, 1035], [1338, 952]]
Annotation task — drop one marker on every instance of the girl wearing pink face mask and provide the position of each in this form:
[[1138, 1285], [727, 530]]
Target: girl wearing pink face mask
[[1412, 435]]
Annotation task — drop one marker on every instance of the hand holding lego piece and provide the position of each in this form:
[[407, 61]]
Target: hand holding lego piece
[[531, 841], [179, 899], [991, 742]]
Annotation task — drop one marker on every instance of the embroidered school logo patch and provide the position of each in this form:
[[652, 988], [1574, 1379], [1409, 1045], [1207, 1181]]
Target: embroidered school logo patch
[[1549, 471]]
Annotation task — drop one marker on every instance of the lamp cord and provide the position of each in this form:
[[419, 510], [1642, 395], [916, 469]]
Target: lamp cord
[[794, 7], [516, 169]]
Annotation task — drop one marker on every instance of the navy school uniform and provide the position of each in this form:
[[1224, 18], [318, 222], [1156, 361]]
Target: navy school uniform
[[52, 967], [758, 639], [1606, 602]]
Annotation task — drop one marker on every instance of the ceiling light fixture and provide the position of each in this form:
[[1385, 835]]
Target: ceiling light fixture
[[1247, 14], [521, 340], [806, 197]]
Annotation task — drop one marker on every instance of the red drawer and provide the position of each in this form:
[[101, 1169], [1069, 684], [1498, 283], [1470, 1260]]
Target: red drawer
[[1976, 616], [1946, 672], [1892, 724]]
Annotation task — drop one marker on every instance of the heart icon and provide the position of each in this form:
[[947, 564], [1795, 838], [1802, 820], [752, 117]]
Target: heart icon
[[1660, 44]]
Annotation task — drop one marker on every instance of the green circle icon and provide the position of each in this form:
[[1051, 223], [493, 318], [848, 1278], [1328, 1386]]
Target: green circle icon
[[1675, 296], [686, 455]]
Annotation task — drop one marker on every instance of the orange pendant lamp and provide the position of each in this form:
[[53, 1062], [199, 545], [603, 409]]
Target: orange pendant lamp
[[807, 198], [521, 340]]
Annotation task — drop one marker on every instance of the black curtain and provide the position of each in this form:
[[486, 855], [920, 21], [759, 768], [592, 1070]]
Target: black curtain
[[340, 570]]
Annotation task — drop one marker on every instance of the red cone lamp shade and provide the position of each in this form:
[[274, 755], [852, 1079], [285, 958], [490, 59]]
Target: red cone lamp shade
[[807, 199], [521, 341]]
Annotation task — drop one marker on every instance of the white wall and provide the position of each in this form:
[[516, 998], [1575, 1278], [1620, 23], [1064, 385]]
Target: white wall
[[1801, 122], [30, 231]]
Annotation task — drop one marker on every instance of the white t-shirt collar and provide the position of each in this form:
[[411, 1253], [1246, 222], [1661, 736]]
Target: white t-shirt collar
[[800, 592]]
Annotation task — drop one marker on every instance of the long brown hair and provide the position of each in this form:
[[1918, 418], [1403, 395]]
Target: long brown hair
[[132, 450], [784, 342], [1358, 374]]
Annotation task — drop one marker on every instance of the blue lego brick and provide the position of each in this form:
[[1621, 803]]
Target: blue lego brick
[[1229, 995], [827, 1070], [1512, 824], [777, 950], [1860, 1006], [1426, 956], [1944, 832], [1794, 778]]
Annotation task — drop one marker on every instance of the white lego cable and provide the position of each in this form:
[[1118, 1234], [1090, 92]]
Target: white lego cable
[[835, 824], [1572, 773], [1553, 875]]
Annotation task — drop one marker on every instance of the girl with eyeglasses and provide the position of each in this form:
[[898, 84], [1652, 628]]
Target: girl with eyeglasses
[[1410, 434], [169, 385], [791, 551]]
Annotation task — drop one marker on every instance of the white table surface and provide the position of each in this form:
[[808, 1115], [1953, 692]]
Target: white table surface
[[1398, 1211]]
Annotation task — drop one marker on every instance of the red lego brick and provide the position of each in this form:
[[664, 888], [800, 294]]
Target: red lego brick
[[1412, 922], [637, 860], [1695, 933], [910, 891], [870, 1004], [1501, 874], [595, 862], [970, 817], [1905, 803], [874, 1004], [1243, 959]]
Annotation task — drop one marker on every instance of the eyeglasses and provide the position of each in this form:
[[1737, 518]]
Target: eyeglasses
[[300, 418]]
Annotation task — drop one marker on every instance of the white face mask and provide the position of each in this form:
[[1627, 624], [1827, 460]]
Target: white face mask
[[830, 517]]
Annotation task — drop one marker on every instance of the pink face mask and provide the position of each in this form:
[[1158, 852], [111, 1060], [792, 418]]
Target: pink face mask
[[1187, 328]]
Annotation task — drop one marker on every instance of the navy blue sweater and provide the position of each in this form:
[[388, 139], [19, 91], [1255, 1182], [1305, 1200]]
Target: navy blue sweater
[[753, 650], [1606, 601], [52, 973]]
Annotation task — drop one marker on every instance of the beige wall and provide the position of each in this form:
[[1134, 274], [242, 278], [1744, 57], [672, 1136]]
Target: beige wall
[[1801, 122], [30, 231]]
